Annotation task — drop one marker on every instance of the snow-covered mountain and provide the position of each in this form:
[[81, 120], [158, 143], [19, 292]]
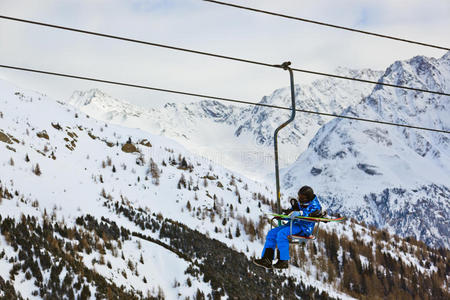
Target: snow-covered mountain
[[92, 210], [359, 177], [324, 95], [118, 201], [235, 136], [388, 176]]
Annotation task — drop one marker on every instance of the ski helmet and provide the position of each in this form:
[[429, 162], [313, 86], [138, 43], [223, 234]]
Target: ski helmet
[[307, 192]]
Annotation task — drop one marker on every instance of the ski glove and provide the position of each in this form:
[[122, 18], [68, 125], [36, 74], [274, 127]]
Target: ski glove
[[287, 211], [297, 213]]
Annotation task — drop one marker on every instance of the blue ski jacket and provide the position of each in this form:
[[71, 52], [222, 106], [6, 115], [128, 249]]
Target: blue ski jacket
[[305, 210]]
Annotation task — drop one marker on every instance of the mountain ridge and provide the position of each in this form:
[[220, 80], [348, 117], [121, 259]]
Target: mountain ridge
[[196, 124], [352, 160], [90, 209]]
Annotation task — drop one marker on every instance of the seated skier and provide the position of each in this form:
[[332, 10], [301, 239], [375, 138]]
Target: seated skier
[[307, 204]]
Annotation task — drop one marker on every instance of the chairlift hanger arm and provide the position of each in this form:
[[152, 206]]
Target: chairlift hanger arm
[[285, 66]]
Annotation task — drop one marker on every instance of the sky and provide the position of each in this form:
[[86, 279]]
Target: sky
[[204, 26]]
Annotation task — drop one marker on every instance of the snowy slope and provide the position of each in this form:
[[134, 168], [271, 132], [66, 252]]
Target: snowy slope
[[68, 186], [86, 169], [383, 175], [360, 167], [235, 136], [143, 217]]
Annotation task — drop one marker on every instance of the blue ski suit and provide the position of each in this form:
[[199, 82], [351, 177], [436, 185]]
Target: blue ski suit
[[278, 236]]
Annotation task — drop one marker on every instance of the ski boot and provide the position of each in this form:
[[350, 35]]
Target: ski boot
[[281, 264], [266, 260]]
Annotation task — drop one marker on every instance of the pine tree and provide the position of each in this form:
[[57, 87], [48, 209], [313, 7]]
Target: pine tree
[[199, 295], [160, 293], [154, 171], [37, 170], [85, 293], [238, 232], [188, 205], [183, 164], [181, 182]]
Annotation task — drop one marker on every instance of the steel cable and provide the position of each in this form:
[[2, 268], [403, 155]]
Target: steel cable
[[217, 98]]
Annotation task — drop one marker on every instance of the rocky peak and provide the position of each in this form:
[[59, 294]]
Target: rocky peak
[[357, 164], [82, 98]]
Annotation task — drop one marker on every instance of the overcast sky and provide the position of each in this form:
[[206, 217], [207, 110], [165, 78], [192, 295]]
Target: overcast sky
[[208, 27]]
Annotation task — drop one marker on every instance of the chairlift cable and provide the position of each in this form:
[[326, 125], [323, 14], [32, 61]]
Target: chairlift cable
[[219, 98], [329, 25], [243, 60]]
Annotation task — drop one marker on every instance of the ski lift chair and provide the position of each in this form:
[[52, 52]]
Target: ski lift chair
[[297, 238], [294, 239]]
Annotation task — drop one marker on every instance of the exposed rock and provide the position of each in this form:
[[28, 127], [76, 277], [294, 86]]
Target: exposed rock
[[315, 171], [43, 134], [145, 142], [129, 148], [4, 138]]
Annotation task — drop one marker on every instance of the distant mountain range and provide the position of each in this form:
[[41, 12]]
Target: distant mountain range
[[236, 136], [372, 172], [385, 175], [93, 209]]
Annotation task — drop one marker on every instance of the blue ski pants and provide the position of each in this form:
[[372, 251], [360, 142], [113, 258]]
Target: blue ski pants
[[278, 236]]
